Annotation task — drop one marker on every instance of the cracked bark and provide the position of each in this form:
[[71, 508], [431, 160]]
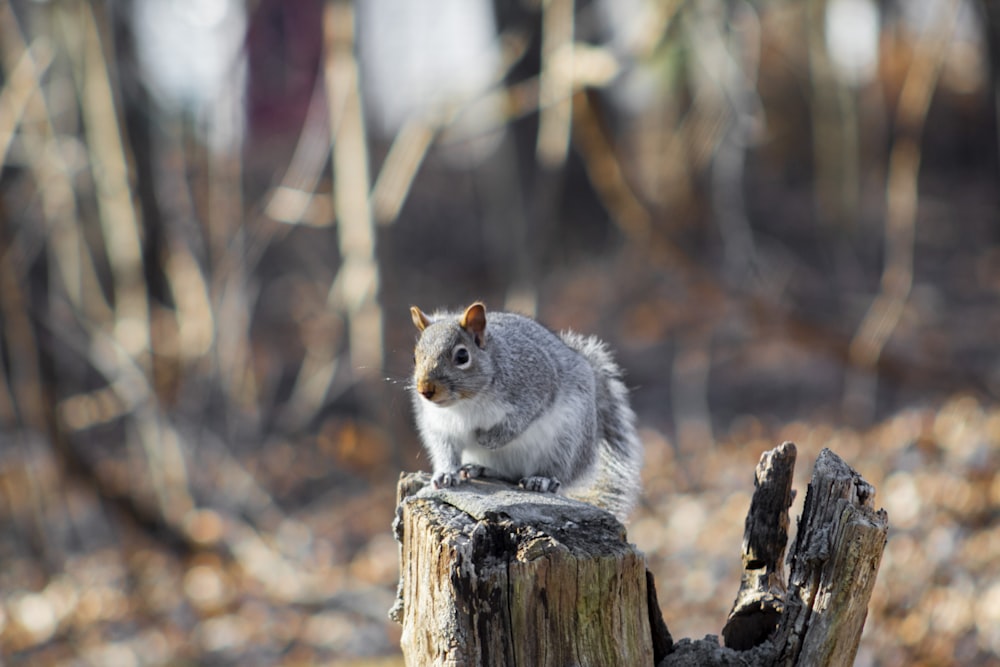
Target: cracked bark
[[492, 575]]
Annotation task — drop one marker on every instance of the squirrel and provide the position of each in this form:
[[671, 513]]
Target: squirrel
[[504, 397]]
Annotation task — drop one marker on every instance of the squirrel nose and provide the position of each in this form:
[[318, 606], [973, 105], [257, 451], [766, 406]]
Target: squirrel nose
[[427, 389]]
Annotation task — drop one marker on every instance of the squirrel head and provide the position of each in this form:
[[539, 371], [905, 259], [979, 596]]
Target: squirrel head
[[450, 359]]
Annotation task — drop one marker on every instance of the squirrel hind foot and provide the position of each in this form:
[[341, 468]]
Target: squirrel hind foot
[[540, 484]]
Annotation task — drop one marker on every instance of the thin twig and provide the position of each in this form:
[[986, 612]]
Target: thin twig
[[400, 168], [555, 99], [53, 181], [290, 201], [355, 289], [21, 84], [607, 174], [119, 220], [886, 309]]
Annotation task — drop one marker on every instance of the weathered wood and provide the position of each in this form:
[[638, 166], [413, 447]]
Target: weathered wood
[[492, 575], [834, 560], [760, 600], [836, 556], [663, 643]]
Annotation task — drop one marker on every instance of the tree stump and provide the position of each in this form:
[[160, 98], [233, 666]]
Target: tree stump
[[836, 556], [493, 575]]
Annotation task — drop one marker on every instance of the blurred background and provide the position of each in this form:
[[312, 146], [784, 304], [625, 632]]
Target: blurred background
[[784, 217]]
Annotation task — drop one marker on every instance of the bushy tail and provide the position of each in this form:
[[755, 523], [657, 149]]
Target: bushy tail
[[614, 483]]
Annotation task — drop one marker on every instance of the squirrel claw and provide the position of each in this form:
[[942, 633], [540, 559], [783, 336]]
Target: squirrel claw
[[471, 471], [444, 480], [458, 476], [540, 484]]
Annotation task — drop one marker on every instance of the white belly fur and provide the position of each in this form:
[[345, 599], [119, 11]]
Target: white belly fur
[[523, 456]]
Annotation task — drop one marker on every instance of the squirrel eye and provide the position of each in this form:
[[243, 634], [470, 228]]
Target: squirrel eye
[[460, 355]]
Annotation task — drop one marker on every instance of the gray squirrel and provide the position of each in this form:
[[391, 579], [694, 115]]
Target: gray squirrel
[[504, 397]]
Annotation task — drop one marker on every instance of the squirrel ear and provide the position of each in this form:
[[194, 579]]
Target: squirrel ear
[[420, 321], [474, 321]]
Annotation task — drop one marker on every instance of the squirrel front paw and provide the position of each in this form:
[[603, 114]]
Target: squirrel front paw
[[443, 480], [472, 471], [458, 476], [540, 484]]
